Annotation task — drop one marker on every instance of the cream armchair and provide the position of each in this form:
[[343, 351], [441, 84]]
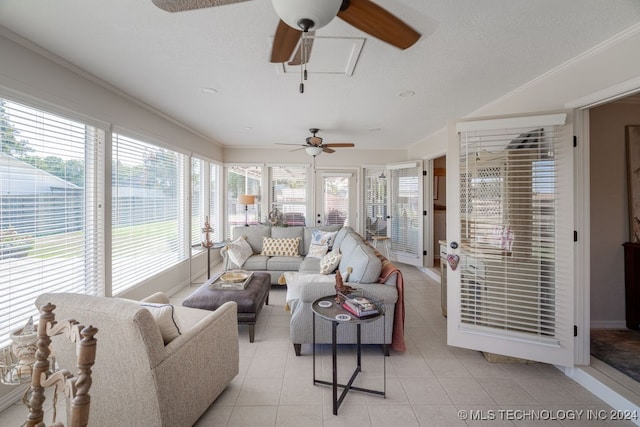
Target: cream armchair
[[137, 379]]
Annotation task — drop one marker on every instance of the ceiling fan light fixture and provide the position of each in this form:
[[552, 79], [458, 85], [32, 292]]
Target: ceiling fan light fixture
[[313, 151], [307, 14]]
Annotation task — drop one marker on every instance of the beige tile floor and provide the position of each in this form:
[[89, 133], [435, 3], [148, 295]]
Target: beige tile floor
[[428, 385]]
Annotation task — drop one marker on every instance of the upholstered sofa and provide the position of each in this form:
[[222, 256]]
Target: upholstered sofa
[[361, 266], [278, 264], [137, 379]]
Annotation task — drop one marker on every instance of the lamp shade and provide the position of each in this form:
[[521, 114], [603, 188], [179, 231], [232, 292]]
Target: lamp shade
[[247, 199], [313, 151], [320, 13]]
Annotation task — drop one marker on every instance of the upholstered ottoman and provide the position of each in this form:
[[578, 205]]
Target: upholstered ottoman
[[249, 300]]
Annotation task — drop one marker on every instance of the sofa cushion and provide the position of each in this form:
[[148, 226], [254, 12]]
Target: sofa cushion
[[163, 314], [322, 238], [364, 262], [330, 262], [348, 244], [289, 233], [284, 263], [239, 251], [337, 241], [308, 235], [317, 251], [310, 265], [280, 247], [256, 263], [254, 235]]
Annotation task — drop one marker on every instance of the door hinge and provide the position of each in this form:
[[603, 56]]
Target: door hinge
[[424, 173], [575, 330], [575, 141], [424, 213], [424, 253], [575, 236]]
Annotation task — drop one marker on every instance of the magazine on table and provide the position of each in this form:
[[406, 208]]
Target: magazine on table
[[360, 306]]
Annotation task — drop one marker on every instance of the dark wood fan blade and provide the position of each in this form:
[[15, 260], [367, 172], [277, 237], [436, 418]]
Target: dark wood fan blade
[[327, 149], [181, 5], [340, 144], [284, 42], [297, 57], [378, 22]]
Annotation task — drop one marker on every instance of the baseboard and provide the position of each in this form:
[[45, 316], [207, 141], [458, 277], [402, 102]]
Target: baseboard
[[608, 324], [12, 397], [603, 387]]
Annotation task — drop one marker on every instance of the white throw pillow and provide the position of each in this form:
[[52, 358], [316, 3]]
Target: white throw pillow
[[317, 251], [323, 238], [239, 251], [330, 262], [163, 315]]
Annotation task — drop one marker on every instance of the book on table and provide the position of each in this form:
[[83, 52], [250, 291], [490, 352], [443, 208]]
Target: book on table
[[360, 306]]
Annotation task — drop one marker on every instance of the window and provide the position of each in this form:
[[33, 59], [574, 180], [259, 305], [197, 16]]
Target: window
[[198, 201], [375, 202], [243, 180], [289, 193], [51, 237], [509, 191], [214, 202], [148, 214]]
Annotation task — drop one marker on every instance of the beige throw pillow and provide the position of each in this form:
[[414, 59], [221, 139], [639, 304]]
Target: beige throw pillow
[[330, 262], [163, 315], [280, 247], [239, 251], [317, 251]]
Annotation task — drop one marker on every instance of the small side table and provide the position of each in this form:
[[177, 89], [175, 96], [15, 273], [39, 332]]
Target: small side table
[[329, 313]]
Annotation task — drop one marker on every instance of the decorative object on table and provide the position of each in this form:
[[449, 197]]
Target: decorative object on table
[[17, 363], [633, 181], [246, 200], [206, 241], [341, 288], [232, 280], [361, 306], [276, 219]]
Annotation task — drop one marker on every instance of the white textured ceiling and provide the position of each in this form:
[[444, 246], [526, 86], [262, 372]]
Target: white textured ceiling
[[471, 52]]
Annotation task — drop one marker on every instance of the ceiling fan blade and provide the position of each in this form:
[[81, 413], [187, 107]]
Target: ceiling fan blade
[[284, 42], [181, 5], [297, 149], [378, 22], [327, 149], [308, 42], [340, 144]]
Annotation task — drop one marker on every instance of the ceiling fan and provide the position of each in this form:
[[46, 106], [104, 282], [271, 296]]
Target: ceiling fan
[[315, 146], [299, 17]]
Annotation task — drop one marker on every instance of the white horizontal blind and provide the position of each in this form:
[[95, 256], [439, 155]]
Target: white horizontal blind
[[214, 203], [508, 196], [197, 202], [375, 202], [289, 193], [335, 193], [148, 214], [243, 180], [406, 210], [51, 211]]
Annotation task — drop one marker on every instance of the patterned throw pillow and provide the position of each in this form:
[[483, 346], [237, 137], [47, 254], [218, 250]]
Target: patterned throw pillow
[[330, 262], [322, 238], [317, 251], [280, 247], [239, 251]]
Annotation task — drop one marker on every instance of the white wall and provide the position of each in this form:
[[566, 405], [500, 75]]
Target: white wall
[[609, 210]]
